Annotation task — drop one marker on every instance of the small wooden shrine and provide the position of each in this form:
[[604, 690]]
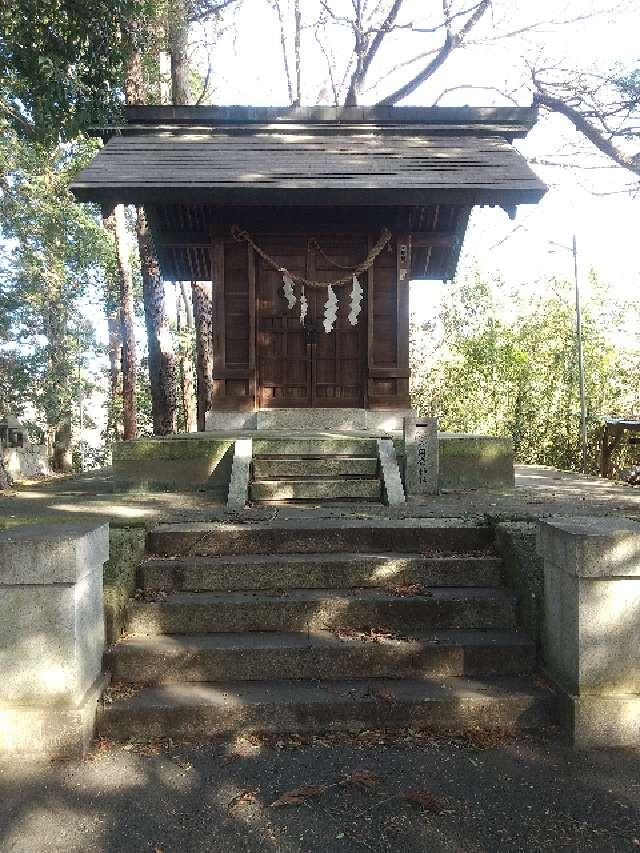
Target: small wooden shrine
[[310, 223]]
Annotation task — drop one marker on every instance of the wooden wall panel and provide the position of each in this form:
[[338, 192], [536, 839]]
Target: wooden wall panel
[[388, 362], [266, 357]]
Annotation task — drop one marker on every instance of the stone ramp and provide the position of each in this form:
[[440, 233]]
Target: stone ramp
[[316, 624]]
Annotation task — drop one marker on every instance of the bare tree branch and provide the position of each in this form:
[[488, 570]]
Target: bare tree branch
[[452, 41], [501, 92], [283, 42], [26, 125], [205, 9], [363, 66], [205, 83], [298, 24], [583, 126], [330, 66]]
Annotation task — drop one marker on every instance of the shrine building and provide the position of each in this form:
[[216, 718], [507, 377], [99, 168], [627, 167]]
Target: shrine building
[[273, 205]]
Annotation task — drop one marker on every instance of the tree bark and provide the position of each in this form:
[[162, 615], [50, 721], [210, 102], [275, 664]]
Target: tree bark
[[62, 453], [117, 226], [114, 328], [162, 368], [201, 294], [178, 34], [185, 360]]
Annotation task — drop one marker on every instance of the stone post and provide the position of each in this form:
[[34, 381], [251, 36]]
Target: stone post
[[421, 456], [591, 634], [240, 474], [51, 637]]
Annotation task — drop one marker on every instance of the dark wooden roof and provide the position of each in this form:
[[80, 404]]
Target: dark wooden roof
[[390, 156], [409, 168]]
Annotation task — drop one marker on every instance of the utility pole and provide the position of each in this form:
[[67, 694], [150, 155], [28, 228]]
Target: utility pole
[[81, 407], [583, 405]]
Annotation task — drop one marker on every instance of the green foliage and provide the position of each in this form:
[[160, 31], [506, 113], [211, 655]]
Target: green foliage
[[56, 255], [63, 62], [519, 376]]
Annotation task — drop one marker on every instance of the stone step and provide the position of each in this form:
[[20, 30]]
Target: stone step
[[310, 571], [300, 468], [317, 609], [206, 709], [315, 446], [322, 654], [319, 535], [326, 490]]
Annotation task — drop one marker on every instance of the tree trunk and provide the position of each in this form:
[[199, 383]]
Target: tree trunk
[[116, 224], [62, 454], [178, 34], [201, 294], [162, 368], [114, 420], [185, 360]]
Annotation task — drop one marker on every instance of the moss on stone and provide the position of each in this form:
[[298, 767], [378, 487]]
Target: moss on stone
[[126, 549], [523, 572], [156, 449], [488, 448]]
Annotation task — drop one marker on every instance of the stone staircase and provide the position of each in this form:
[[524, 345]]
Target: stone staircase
[[316, 625], [312, 469]]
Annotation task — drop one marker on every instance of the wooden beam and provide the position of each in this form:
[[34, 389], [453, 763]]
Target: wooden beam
[[424, 240]]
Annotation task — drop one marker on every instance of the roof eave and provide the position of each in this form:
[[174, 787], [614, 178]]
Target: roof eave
[[251, 195]]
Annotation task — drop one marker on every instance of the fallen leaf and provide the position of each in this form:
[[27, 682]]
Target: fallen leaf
[[245, 798], [383, 694], [426, 801], [365, 778], [299, 795], [409, 589]]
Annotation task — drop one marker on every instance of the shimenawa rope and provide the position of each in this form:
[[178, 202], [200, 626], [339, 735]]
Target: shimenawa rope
[[385, 236]]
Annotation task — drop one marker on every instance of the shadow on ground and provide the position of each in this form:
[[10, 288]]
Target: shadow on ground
[[505, 794]]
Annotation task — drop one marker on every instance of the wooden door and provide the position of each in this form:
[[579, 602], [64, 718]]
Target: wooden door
[[301, 365]]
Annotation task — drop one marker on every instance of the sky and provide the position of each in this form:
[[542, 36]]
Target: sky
[[590, 198], [591, 201]]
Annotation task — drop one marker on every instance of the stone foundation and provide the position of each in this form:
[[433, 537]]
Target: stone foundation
[[309, 419], [51, 636], [173, 463], [592, 626], [470, 461]]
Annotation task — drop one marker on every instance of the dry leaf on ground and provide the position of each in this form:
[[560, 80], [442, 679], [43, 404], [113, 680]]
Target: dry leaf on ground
[[245, 798], [297, 796], [383, 694], [409, 589], [365, 778], [426, 801]]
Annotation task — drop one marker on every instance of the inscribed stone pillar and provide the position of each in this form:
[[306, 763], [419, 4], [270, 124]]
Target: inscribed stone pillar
[[422, 456]]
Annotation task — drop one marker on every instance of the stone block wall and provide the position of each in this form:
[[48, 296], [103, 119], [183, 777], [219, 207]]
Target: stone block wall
[[173, 464], [26, 463], [592, 625], [51, 637]]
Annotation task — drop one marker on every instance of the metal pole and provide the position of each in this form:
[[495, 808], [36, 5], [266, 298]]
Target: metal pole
[[583, 405], [81, 407]]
